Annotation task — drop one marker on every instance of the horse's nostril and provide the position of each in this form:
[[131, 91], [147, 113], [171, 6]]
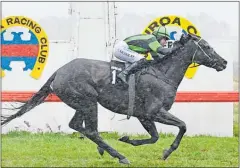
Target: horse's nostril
[[225, 62]]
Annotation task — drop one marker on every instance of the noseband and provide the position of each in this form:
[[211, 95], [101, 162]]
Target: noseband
[[205, 54]]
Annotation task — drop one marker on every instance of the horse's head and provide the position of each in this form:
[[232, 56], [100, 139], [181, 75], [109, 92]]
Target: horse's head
[[204, 54]]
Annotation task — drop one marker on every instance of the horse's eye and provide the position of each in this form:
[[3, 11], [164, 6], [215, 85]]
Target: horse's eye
[[208, 47]]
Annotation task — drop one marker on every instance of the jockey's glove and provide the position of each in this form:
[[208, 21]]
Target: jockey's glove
[[167, 51]]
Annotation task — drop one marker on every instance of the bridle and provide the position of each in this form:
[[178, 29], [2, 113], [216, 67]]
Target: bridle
[[205, 54]]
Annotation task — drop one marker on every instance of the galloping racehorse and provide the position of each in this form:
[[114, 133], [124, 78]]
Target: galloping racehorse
[[82, 83]]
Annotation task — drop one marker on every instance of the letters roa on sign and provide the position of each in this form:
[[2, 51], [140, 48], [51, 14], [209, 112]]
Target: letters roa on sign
[[175, 25], [34, 51]]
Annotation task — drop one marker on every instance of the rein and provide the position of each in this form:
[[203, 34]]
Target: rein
[[205, 54]]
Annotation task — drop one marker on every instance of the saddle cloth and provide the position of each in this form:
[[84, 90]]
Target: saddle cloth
[[116, 68]]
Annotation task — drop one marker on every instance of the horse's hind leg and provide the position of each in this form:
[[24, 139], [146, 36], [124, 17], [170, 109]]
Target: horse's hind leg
[[90, 131], [150, 127], [80, 120]]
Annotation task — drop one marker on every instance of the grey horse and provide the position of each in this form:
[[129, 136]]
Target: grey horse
[[82, 83]]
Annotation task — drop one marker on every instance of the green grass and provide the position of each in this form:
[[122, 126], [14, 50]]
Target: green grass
[[23, 149], [235, 120]]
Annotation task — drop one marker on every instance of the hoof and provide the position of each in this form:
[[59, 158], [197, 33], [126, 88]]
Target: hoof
[[100, 150], [124, 161], [124, 139], [165, 154]]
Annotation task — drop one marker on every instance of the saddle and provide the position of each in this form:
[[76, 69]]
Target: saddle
[[116, 68]]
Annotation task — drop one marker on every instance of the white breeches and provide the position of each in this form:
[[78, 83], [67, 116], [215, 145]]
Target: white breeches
[[122, 52]]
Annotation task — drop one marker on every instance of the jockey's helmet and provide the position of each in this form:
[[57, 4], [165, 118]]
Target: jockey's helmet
[[161, 32]]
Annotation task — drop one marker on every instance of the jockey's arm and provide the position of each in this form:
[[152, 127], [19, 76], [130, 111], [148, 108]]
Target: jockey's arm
[[156, 55], [156, 47]]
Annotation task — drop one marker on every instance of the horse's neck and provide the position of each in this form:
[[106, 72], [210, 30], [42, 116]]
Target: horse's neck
[[174, 68]]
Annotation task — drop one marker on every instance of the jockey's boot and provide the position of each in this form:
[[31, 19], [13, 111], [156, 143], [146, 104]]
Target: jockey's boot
[[133, 67]]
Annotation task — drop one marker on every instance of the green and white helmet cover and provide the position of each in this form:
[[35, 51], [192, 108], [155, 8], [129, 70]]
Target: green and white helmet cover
[[161, 32]]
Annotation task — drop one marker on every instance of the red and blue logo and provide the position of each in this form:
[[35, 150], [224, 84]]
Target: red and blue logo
[[33, 51], [19, 50]]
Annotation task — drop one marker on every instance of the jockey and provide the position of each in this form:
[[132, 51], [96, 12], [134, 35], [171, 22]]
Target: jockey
[[135, 48]]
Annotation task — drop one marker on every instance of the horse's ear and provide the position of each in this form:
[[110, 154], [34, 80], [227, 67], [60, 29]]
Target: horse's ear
[[194, 37], [189, 35], [184, 39]]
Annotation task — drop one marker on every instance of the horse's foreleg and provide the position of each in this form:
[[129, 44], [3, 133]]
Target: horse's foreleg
[[167, 118], [150, 128], [152, 106]]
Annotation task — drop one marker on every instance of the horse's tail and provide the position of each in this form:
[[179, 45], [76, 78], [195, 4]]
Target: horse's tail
[[37, 99]]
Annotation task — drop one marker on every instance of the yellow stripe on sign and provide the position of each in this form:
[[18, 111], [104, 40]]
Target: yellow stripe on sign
[[2, 73], [185, 25], [191, 71]]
